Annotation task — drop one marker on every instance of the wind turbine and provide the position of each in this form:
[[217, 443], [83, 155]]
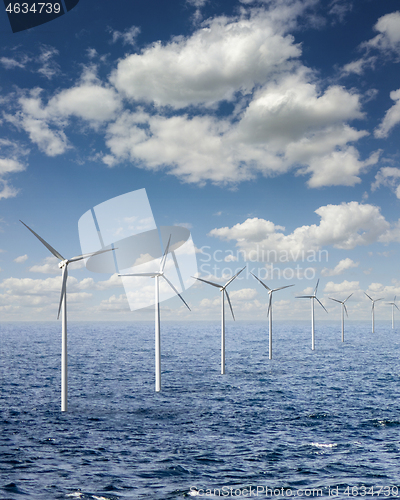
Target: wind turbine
[[156, 277], [222, 289], [373, 310], [63, 264], [312, 297], [394, 305], [344, 308], [270, 292]]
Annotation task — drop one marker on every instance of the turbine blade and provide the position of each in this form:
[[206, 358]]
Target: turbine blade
[[165, 255], [304, 297], [236, 275], [396, 307], [340, 302], [209, 282], [347, 298], [281, 288], [345, 308], [86, 255], [320, 303], [368, 296], [175, 290], [376, 300], [394, 300], [153, 275], [49, 247], [229, 302], [316, 288], [63, 288], [263, 284]]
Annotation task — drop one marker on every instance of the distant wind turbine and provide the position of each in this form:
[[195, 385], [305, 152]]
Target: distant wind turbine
[[63, 264], [156, 277], [312, 297], [344, 308], [373, 310], [270, 292], [394, 305], [222, 289]]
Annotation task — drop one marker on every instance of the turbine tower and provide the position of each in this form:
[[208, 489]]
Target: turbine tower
[[224, 292], [313, 297], [270, 292], [157, 277], [63, 264], [373, 310], [344, 308], [394, 305]]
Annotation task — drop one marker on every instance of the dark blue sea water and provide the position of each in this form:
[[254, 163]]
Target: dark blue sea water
[[325, 419]]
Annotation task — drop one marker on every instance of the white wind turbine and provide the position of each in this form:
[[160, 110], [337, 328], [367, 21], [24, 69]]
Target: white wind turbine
[[394, 305], [63, 264], [344, 308], [312, 297], [222, 289], [373, 310], [270, 292], [156, 277]]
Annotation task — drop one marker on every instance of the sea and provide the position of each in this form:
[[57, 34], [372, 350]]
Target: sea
[[322, 423]]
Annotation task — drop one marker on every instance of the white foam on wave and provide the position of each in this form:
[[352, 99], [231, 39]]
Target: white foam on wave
[[322, 445], [75, 494]]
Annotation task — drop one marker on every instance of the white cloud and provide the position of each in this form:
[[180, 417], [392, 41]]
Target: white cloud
[[9, 165], [391, 118], [343, 226], [286, 125], [48, 67], [388, 38], [243, 294], [88, 99], [50, 266], [223, 57], [284, 119], [342, 266], [10, 63], [387, 43], [389, 177], [343, 287], [21, 259], [128, 36]]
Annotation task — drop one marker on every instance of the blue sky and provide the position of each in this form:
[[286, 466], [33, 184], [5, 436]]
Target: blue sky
[[266, 127]]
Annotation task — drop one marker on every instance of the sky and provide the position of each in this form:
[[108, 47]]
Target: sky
[[269, 128]]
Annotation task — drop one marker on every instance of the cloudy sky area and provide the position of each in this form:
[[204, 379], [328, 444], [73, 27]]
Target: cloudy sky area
[[269, 128]]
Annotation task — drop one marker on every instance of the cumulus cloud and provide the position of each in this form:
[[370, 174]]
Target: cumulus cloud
[[21, 259], [386, 42], [223, 57], [389, 177], [288, 124], [343, 226], [10, 164], [388, 38], [391, 118], [342, 266], [343, 287]]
